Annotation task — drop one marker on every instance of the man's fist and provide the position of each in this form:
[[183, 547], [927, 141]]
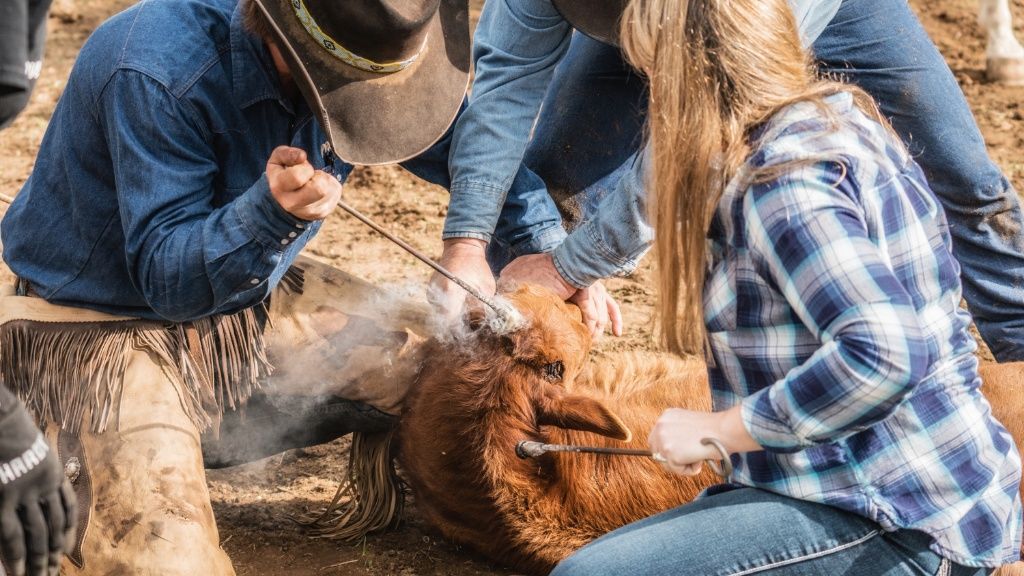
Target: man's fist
[[301, 190]]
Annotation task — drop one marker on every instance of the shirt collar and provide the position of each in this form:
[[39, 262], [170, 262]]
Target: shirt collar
[[253, 77]]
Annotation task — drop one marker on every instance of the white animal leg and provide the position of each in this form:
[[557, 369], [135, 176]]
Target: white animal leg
[[1004, 56]]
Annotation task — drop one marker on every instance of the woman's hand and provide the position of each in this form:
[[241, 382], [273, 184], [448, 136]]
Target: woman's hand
[[677, 437]]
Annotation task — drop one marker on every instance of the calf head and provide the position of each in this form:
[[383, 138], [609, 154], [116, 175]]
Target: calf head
[[478, 397], [524, 379], [542, 363]]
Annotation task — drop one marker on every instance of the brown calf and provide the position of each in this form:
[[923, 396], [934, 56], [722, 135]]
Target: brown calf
[[461, 422], [476, 400]]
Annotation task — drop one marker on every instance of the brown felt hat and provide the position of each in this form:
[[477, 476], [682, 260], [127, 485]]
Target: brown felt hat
[[598, 19], [385, 77]]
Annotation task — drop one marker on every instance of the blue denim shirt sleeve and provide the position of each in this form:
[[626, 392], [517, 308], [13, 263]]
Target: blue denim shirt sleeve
[[516, 47], [188, 258], [613, 241]]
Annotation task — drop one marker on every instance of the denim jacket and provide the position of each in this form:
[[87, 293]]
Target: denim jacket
[[148, 196], [517, 45]]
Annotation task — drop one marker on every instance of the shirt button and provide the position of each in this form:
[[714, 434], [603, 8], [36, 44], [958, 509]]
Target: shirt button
[[292, 234], [254, 281], [284, 241], [300, 226]]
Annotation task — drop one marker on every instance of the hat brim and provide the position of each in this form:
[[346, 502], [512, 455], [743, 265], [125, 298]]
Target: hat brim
[[373, 118], [598, 19]]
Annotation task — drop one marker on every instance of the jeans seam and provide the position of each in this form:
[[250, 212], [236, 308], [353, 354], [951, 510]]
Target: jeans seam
[[804, 558]]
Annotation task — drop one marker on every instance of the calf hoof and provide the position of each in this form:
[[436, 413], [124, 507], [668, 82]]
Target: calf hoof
[[1008, 71]]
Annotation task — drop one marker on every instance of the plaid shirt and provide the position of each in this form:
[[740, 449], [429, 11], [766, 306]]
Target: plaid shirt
[[832, 306]]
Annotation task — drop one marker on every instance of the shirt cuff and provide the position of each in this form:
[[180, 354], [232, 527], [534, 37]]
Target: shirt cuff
[[768, 426], [542, 242], [584, 259], [266, 221], [473, 210]]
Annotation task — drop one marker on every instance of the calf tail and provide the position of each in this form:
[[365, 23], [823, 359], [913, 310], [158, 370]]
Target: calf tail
[[370, 499]]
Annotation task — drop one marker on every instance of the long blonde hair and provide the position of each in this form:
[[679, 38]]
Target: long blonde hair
[[717, 69]]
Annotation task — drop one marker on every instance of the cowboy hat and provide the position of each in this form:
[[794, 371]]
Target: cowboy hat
[[385, 77], [598, 19]]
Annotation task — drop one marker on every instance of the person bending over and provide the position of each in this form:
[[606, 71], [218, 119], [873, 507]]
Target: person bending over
[[582, 148]]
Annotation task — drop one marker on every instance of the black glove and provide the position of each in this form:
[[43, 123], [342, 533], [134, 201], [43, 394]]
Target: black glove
[[37, 505]]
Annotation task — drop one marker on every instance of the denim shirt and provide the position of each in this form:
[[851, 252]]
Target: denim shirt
[[517, 45], [148, 197]]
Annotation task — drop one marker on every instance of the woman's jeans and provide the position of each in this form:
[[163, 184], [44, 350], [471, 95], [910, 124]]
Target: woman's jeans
[[592, 119], [751, 531]]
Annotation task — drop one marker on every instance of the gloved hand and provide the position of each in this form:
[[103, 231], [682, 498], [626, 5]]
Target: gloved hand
[[37, 505]]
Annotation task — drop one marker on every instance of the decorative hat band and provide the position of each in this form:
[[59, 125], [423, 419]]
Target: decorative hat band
[[341, 53]]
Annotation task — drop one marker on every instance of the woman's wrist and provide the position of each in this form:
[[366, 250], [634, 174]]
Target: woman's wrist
[[734, 434]]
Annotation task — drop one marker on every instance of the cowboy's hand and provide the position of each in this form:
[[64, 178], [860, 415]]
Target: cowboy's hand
[[599, 310], [677, 435], [298, 188], [537, 269], [466, 259], [37, 506], [597, 306]]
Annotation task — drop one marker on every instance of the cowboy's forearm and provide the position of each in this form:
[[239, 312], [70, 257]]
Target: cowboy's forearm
[[516, 47], [227, 261], [187, 258]]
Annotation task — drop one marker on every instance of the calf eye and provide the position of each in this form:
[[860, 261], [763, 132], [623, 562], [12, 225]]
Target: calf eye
[[554, 371]]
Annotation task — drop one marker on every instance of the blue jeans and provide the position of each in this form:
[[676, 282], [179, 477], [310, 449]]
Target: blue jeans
[[750, 531], [592, 123]]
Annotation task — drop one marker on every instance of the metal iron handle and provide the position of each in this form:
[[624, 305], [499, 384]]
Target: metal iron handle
[[532, 449], [721, 467]]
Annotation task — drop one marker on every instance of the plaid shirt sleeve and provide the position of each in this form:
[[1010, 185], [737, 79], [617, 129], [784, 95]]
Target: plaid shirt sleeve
[[806, 233]]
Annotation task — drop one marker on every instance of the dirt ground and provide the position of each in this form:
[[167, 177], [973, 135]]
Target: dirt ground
[[252, 502]]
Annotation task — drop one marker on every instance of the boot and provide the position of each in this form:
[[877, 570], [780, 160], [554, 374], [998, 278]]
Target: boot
[[149, 509]]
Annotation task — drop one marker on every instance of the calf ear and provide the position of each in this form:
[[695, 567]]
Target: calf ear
[[581, 413]]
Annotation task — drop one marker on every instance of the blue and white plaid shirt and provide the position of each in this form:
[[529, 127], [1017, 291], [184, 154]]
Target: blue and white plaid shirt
[[832, 306]]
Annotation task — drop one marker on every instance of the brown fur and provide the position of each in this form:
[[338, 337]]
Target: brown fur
[[473, 403], [1003, 385], [476, 399]]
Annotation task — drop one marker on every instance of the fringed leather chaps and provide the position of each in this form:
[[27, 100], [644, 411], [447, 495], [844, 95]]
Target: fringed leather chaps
[[126, 399]]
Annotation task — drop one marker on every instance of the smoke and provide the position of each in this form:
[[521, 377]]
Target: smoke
[[506, 319], [344, 358]]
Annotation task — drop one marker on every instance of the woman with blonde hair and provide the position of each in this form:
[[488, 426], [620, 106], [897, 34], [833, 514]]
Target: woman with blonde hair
[[799, 246]]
